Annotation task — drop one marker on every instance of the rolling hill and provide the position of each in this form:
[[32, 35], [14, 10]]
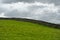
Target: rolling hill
[[23, 30]]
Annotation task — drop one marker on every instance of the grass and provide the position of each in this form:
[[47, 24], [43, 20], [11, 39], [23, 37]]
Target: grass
[[19, 30]]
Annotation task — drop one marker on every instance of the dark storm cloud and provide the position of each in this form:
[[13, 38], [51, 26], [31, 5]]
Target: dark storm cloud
[[57, 2]]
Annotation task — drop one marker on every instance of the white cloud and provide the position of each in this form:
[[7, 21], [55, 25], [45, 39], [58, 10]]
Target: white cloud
[[36, 10], [2, 15]]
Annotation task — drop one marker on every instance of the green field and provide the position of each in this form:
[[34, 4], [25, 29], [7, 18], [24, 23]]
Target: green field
[[19, 30]]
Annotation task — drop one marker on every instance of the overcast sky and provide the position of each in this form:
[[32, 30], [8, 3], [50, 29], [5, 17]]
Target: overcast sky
[[46, 10]]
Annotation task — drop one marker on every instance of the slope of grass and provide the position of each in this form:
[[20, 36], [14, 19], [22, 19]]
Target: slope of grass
[[19, 30]]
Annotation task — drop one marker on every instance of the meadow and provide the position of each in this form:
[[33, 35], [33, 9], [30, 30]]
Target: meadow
[[20, 30]]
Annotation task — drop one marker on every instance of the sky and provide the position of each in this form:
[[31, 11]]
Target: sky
[[45, 10]]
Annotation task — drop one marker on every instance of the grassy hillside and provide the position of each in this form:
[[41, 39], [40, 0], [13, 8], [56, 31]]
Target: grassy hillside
[[19, 30]]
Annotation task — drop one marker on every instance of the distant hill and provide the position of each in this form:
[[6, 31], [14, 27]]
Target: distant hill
[[35, 21]]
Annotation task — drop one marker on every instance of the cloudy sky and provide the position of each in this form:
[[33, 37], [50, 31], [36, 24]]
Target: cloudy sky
[[46, 10]]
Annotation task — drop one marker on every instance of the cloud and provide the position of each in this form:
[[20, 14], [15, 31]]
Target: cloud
[[56, 2], [2, 15], [14, 1], [35, 10]]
